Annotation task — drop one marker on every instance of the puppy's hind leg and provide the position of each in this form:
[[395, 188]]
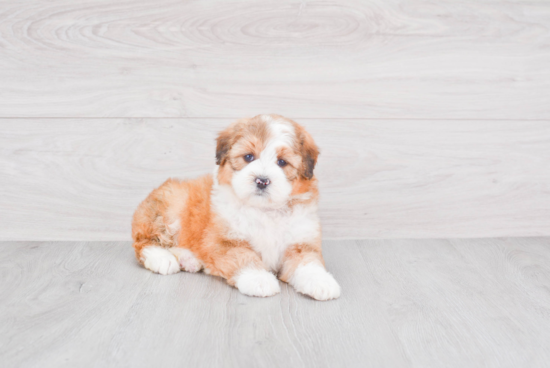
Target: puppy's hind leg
[[155, 257], [187, 260], [152, 237], [159, 260], [150, 252]]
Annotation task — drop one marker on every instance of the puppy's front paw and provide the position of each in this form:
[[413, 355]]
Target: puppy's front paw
[[312, 279], [257, 282], [159, 260]]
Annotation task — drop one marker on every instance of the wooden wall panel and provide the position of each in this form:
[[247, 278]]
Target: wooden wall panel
[[311, 59], [82, 178], [433, 116]]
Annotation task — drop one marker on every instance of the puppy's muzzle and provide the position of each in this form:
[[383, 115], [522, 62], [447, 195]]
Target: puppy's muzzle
[[262, 183]]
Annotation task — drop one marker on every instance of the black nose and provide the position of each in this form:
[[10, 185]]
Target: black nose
[[262, 182]]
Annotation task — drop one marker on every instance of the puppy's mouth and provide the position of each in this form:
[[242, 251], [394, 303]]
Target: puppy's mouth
[[261, 193]]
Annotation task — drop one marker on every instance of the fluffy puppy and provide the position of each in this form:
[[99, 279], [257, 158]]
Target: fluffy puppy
[[254, 218]]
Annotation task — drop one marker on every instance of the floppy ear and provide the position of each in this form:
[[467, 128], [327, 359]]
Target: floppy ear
[[223, 146], [310, 152]]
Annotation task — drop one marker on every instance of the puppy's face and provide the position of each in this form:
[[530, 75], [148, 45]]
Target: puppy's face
[[267, 160]]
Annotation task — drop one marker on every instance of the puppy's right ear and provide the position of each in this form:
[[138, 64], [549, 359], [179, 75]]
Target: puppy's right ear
[[223, 146]]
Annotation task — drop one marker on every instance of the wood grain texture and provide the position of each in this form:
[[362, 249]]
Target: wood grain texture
[[405, 303], [348, 59], [73, 179]]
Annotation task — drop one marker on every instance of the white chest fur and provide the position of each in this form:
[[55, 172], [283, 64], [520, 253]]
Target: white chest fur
[[270, 232]]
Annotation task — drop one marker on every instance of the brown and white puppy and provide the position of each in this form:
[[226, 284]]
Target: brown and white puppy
[[254, 218]]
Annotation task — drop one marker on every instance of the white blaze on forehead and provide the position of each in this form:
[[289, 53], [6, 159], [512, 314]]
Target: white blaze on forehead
[[282, 134], [282, 131]]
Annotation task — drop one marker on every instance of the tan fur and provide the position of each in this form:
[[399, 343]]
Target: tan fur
[[300, 254], [189, 202], [179, 213]]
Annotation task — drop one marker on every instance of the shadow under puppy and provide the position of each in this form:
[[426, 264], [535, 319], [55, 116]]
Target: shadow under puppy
[[254, 218]]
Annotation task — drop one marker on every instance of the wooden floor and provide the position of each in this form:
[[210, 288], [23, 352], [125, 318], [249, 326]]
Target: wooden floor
[[405, 303]]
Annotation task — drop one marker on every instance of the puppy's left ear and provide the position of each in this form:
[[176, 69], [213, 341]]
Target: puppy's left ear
[[309, 151], [223, 146]]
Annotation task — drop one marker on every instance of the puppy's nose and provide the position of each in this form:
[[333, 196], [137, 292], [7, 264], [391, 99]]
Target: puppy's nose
[[262, 182]]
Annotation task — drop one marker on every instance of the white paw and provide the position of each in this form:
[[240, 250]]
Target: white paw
[[159, 260], [257, 282], [187, 260], [312, 279]]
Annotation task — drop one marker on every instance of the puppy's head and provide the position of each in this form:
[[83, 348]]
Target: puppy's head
[[267, 160]]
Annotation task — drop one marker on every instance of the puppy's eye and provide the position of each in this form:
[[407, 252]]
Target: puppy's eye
[[249, 158], [281, 163]]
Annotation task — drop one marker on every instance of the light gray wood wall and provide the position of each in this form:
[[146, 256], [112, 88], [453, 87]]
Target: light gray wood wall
[[224, 58], [433, 117], [83, 178]]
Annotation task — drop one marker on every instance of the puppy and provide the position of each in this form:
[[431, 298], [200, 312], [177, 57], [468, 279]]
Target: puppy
[[254, 218]]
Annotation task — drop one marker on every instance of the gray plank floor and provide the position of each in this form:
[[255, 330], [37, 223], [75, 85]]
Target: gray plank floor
[[405, 303]]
